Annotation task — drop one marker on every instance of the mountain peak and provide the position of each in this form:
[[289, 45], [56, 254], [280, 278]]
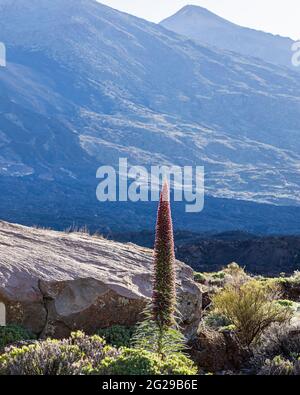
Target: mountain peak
[[190, 11], [192, 7], [202, 25], [195, 8]]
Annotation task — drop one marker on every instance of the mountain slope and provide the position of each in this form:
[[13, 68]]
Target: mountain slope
[[86, 84], [208, 28]]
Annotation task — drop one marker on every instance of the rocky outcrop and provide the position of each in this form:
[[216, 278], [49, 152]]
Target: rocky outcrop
[[54, 282], [215, 351]]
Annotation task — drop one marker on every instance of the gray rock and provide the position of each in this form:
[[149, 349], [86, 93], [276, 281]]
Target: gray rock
[[54, 282], [215, 351]]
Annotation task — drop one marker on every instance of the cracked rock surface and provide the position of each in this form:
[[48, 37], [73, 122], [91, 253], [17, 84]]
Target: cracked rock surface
[[54, 282]]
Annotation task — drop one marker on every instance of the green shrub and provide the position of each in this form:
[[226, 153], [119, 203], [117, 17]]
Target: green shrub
[[81, 354], [218, 275], [278, 366], [141, 362], [179, 364], [117, 335], [285, 303], [231, 274], [77, 355], [216, 320], [279, 280], [13, 333], [227, 328], [199, 278], [251, 308]]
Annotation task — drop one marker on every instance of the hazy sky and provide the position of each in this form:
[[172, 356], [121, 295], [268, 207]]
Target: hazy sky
[[274, 16]]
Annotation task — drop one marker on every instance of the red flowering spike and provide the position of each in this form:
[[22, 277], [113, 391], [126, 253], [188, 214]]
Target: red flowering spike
[[164, 279]]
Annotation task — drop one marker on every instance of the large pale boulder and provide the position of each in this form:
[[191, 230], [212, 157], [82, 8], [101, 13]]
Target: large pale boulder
[[54, 282]]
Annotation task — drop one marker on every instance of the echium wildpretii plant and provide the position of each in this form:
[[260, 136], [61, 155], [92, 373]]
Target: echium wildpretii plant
[[164, 277], [158, 332]]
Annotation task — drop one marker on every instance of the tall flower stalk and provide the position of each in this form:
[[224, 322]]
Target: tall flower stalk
[[164, 277], [158, 332]]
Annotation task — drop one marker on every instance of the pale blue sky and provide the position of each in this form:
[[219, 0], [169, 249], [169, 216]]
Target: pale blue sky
[[274, 16]]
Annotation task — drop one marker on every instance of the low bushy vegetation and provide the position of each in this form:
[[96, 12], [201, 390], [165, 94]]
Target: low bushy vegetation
[[278, 352], [246, 308], [289, 286], [216, 320], [12, 334], [278, 366], [252, 310], [142, 362], [199, 278], [117, 335], [77, 355], [88, 355], [251, 307], [231, 274]]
